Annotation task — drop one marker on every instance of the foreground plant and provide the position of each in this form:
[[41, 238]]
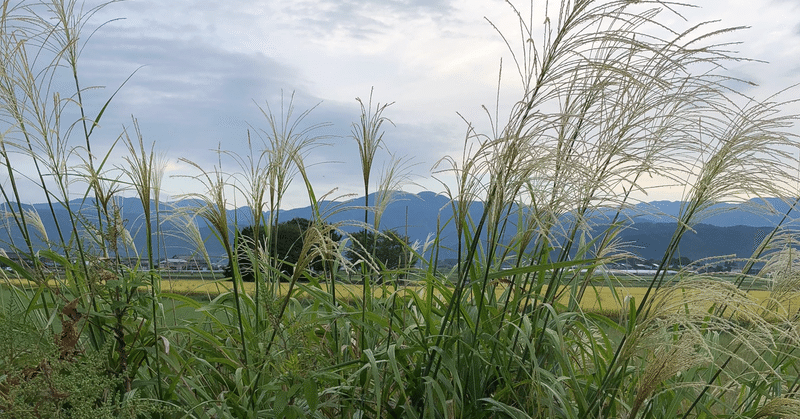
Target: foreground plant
[[89, 328]]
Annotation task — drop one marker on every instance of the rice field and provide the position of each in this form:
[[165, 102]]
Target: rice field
[[598, 299]]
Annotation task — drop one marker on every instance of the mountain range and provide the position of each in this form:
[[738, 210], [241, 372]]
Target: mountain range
[[728, 229]]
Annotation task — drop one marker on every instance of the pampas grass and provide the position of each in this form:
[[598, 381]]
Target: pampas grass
[[602, 105]]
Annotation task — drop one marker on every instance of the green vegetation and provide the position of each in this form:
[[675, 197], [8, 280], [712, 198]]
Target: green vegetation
[[386, 250], [604, 104], [285, 247]]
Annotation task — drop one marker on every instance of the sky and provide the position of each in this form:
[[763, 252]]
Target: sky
[[201, 71]]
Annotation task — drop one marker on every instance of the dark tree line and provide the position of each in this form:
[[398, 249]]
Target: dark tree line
[[284, 246], [388, 248]]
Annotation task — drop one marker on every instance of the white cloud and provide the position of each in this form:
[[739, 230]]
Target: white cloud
[[205, 64]]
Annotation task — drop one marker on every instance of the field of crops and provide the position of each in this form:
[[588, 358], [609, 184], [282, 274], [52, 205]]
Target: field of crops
[[598, 299]]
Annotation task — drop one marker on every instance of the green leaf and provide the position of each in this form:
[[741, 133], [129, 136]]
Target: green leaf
[[21, 271], [311, 394], [108, 102]]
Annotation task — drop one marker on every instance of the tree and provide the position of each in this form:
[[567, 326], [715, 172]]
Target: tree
[[388, 249], [678, 263], [285, 250]]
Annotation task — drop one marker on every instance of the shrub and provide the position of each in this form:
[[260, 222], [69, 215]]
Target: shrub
[[284, 245]]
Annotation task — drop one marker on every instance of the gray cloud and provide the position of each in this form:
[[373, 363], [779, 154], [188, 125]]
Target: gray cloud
[[365, 18], [183, 83], [206, 64]]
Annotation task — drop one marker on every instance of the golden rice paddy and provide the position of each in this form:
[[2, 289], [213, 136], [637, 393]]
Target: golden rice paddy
[[596, 299]]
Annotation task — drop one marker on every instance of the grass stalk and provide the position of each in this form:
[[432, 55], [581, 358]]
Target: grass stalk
[[145, 172]]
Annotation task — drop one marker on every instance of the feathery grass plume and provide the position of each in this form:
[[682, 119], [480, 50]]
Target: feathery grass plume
[[284, 140], [52, 34], [368, 134], [467, 174], [258, 170], [584, 153], [25, 88], [61, 24], [782, 271], [504, 162], [315, 243], [42, 40], [395, 175], [104, 187], [613, 125], [738, 152], [190, 232], [756, 342], [214, 211], [70, 18], [782, 407], [21, 106], [604, 102], [34, 220], [673, 356], [159, 167], [35, 41], [253, 182], [145, 171]]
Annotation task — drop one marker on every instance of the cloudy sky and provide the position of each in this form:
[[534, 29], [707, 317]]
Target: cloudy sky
[[205, 67]]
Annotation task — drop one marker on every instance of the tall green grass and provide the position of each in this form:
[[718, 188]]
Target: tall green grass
[[603, 105]]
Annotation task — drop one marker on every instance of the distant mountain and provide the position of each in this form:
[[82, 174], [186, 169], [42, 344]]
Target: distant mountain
[[649, 240], [727, 230], [84, 215], [754, 213]]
